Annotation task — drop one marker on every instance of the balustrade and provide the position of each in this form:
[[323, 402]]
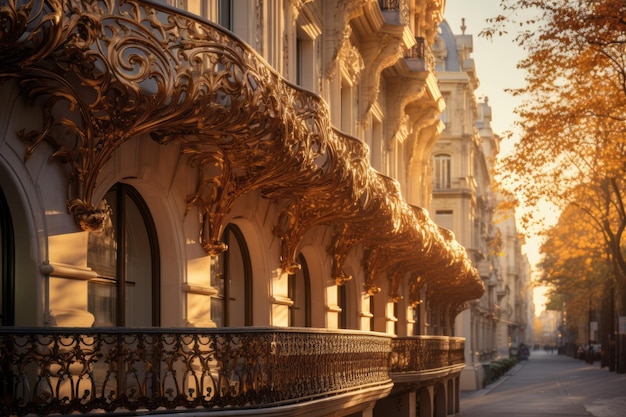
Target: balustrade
[[414, 354], [64, 371], [422, 53]]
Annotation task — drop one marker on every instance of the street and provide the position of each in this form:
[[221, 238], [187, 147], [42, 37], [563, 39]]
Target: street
[[550, 385]]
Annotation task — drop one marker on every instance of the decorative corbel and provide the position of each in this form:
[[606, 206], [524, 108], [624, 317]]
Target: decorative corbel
[[339, 13], [289, 230], [342, 242], [214, 196], [415, 289], [371, 266], [425, 131], [401, 91], [387, 50], [395, 276]]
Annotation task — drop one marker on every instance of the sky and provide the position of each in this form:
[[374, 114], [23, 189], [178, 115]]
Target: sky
[[496, 67], [496, 59]]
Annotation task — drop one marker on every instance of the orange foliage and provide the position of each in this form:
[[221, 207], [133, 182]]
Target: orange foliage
[[571, 134]]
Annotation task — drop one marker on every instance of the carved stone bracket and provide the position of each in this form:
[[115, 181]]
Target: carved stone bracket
[[378, 54], [402, 90], [338, 17]]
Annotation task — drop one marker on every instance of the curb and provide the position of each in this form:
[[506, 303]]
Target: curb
[[488, 388]]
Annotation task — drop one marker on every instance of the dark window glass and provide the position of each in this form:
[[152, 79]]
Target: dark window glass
[[125, 256], [299, 293], [7, 260], [341, 299], [225, 13], [231, 276]]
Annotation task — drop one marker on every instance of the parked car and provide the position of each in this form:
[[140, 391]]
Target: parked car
[[597, 351], [591, 352]]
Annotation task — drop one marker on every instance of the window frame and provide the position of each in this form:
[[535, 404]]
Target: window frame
[[122, 191], [292, 290], [442, 171], [233, 231]]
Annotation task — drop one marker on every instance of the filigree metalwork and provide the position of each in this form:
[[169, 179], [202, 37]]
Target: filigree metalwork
[[106, 71], [65, 371], [415, 354]]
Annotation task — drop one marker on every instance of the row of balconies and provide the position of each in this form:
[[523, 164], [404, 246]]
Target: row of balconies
[[62, 371]]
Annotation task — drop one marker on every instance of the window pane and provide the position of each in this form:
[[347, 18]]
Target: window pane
[[225, 13], [341, 300], [236, 283], [217, 311], [231, 277], [441, 171], [299, 294], [102, 303], [135, 270], [138, 268]]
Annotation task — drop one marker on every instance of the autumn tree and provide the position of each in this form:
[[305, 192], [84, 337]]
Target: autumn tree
[[570, 147], [575, 268]]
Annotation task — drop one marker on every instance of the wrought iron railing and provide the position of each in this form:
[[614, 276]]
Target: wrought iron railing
[[62, 371], [487, 355], [421, 51], [416, 354], [399, 6], [456, 355]]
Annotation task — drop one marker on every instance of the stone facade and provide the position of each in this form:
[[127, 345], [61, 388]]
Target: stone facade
[[464, 200]]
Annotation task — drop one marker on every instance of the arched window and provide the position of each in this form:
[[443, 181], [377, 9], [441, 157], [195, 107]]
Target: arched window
[[299, 293], [232, 277], [7, 259], [441, 171], [125, 255]]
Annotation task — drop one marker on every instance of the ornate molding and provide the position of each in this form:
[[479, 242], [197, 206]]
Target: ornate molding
[[350, 59], [385, 51], [339, 13]]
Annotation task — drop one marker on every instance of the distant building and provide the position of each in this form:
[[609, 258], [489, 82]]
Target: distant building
[[464, 200]]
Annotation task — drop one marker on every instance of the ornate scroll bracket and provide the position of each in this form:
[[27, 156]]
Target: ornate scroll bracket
[[387, 51], [341, 244], [371, 265]]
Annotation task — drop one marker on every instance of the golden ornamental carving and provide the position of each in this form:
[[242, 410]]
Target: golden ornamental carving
[[103, 72]]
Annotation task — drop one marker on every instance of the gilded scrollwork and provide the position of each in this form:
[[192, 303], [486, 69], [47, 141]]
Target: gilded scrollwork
[[103, 72]]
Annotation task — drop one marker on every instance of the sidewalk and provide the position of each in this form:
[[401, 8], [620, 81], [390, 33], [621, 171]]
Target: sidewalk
[[550, 385]]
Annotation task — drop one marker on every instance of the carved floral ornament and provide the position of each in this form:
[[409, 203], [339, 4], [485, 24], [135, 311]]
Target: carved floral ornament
[[105, 71]]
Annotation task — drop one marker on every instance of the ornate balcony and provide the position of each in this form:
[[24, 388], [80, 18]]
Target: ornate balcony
[[89, 371], [64, 371], [103, 72], [395, 11], [420, 56], [422, 358]]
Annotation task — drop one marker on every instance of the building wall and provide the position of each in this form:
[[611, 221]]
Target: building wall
[[467, 205]]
